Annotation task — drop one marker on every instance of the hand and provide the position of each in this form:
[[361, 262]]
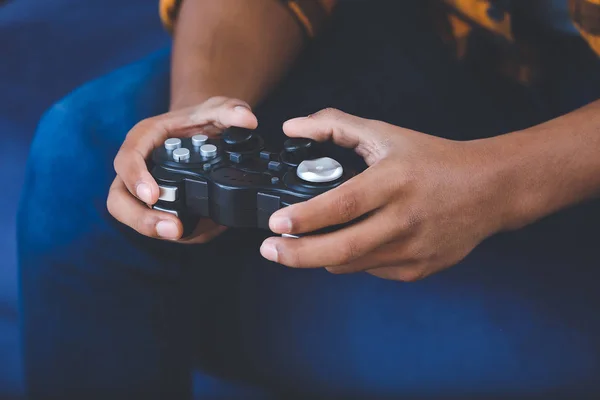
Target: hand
[[428, 202], [134, 189]]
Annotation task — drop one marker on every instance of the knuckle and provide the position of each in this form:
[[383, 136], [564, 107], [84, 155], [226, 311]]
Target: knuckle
[[415, 251], [346, 205], [146, 124], [145, 225], [408, 221], [330, 113], [290, 257], [214, 101], [230, 103], [404, 178], [350, 252]]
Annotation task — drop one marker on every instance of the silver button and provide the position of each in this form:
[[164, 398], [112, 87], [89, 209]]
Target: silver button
[[181, 154], [208, 150], [175, 213], [320, 170], [167, 193], [172, 143], [199, 140]]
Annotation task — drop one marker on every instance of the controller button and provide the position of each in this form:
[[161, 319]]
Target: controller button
[[237, 136], [266, 155], [172, 143], [274, 180], [320, 170], [208, 150], [297, 145], [167, 193], [206, 167], [274, 166], [181, 154], [236, 157], [289, 236], [175, 213], [199, 140]]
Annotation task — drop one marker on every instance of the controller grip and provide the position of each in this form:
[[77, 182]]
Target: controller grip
[[189, 225]]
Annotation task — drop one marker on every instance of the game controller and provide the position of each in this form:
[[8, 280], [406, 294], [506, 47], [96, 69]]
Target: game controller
[[235, 181]]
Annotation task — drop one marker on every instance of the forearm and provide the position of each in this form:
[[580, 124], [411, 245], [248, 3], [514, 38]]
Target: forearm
[[234, 48], [550, 166]]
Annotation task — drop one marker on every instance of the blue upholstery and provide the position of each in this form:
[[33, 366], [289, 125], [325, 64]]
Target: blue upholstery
[[47, 48]]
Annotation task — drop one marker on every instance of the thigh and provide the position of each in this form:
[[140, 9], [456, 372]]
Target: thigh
[[517, 317], [105, 311]]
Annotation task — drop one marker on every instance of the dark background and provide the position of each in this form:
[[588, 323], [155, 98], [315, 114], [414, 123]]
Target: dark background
[[48, 48]]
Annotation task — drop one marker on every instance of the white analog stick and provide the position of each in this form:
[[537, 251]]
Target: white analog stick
[[321, 170]]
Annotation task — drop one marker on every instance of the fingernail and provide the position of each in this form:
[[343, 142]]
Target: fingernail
[[167, 229], [269, 251], [280, 224], [241, 109], [144, 192]]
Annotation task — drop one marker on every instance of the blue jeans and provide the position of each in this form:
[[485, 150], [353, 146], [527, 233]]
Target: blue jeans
[[110, 314]]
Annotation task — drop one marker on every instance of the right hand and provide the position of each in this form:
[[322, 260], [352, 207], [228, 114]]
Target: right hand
[[134, 190]]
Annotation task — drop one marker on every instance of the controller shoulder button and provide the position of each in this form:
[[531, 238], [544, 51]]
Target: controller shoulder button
[[175, 213], [167, 193]]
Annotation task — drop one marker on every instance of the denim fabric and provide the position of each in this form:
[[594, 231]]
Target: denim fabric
[[110, 314]]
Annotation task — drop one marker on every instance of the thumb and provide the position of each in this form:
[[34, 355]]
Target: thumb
[[330, 124]]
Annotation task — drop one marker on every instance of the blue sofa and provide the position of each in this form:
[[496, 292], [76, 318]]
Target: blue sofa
[[47, 48]]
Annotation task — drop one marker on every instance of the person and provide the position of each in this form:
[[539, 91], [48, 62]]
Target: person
[[476, 127]]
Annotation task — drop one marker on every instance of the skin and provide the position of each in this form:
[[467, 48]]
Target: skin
[[211, 37], [430, 201]]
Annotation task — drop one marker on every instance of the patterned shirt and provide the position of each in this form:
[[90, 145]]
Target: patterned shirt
[[460, 18]]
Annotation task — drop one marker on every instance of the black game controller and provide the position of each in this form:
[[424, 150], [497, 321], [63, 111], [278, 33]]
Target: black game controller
[[235, 181]]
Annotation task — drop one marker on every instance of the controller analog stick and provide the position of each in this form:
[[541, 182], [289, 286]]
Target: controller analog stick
[[238, 138], [321, 170], [297, 150], [298, 145]]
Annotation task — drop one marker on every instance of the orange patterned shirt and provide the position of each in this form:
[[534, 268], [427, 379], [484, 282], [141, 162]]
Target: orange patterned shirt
[[461, 18]]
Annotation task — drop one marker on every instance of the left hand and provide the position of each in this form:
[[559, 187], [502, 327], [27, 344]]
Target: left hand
[[429, 202]]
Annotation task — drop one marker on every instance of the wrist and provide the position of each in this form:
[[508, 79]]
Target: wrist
[[523, 180], [513, 201]]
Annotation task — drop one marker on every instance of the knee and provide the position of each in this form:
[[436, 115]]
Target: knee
[[69, 169], [68, 166]]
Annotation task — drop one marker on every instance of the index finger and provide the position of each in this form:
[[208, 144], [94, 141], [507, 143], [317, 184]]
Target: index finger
[[343, 129]]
